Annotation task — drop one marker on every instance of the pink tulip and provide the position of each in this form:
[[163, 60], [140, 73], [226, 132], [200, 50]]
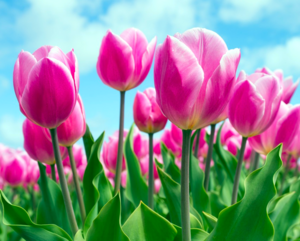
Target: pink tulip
[[46, 84], [157, 185], [203, 147], [255, 103], [32, 169], [37, 145], [194, 75], [73, 128], [81, 170], [144, 164], [282, 130], [294, 148], [140, 145], [146, 112], [124, 61], [227, 132], [289, 87], [14, 172], [170, 143]]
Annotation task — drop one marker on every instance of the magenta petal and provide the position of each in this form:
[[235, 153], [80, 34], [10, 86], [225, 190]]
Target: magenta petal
[[141, 112], [73, 63], [246, 109], [289, 89], [42, 52], [49, 97], [256, 144], [22, 67], [115, 65], [178, 78], [207, 46]]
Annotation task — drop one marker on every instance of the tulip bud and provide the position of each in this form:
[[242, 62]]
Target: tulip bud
[[124, 61], [46, 84], [37, 145], [146, 112]]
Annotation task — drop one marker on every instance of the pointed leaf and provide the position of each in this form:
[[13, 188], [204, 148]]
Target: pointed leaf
[[169, 163], [88, 142], [196, 234]]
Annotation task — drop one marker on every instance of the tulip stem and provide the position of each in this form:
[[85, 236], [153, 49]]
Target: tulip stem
[[77, 185], [151, 173], [209, 155], [238, 171], [120, 145], [256, 161], [185, 195], [197, 143], [63, 182], [53, 174], [286, 171]]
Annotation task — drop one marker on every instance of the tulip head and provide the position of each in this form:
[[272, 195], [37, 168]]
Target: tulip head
[[146, 112], [37, 145], [46, 84], [14, 172], [194, 75], [254, 103], [124, 61]]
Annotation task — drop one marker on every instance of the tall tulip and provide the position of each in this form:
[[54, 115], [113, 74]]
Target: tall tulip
[[14, 172], [252, 109], [148, 118], [46, 84], [194, 75], [124, 62]]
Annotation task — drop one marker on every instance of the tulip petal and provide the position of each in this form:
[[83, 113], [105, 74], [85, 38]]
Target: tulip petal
[[142, 108], [256, 144], [42, 52], [22, 67], [73, 63], [49, 96], [178, 78], [115, 65], [246, 109], [207, 46], [289, 89]]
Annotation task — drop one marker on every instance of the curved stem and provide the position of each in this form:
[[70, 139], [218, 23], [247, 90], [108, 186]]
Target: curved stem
[[151, 173], [120, 144], [209, 155], [197, 143], [185, 195], [256, 161], [53, 174], [238, 171], [77, 185], [63, 182], [286, 171]]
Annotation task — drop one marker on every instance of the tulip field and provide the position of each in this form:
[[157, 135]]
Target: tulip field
[[224, 169]]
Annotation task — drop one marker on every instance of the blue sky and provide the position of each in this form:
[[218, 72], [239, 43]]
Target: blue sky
[[266, 31]]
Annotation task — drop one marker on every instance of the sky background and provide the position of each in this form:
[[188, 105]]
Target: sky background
[[266, 31]]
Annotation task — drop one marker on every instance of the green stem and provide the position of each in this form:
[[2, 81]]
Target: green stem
[[197, 143], [256, 161], [63, 182], [53, 173], [120, 145], [77, 185], [286, 171], [209, 155], [238, 171], [151, 173], [185, 200]]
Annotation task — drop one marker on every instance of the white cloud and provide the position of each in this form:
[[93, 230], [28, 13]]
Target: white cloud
[[11, 130], [4, 83]]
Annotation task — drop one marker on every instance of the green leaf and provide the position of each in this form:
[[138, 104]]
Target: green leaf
[[196, 234], [88, 142], [169, 163], [286, 213], [248, 219], [79, 236], [97, 190], [210, 220], [47, 212], [136, 187], [146, 225], [172, 191], [18, 219], [216, 203], [107, 225]]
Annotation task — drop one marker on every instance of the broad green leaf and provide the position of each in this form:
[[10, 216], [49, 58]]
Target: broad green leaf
[[196, 234], [210, 220], [146, 225], [88, 142], [216, 204], [248, 219], [172, 191], [136, 187], [169, 163], [294, 232], [97, 190], [51, 209], [286, 213], [107, 225], [18, 219], [79, 236]]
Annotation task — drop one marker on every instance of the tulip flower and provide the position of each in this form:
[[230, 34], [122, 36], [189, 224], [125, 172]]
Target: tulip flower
[[288, 86], [14, 172], [252, 109], [124, 62], [194, 76], [148, 118]]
